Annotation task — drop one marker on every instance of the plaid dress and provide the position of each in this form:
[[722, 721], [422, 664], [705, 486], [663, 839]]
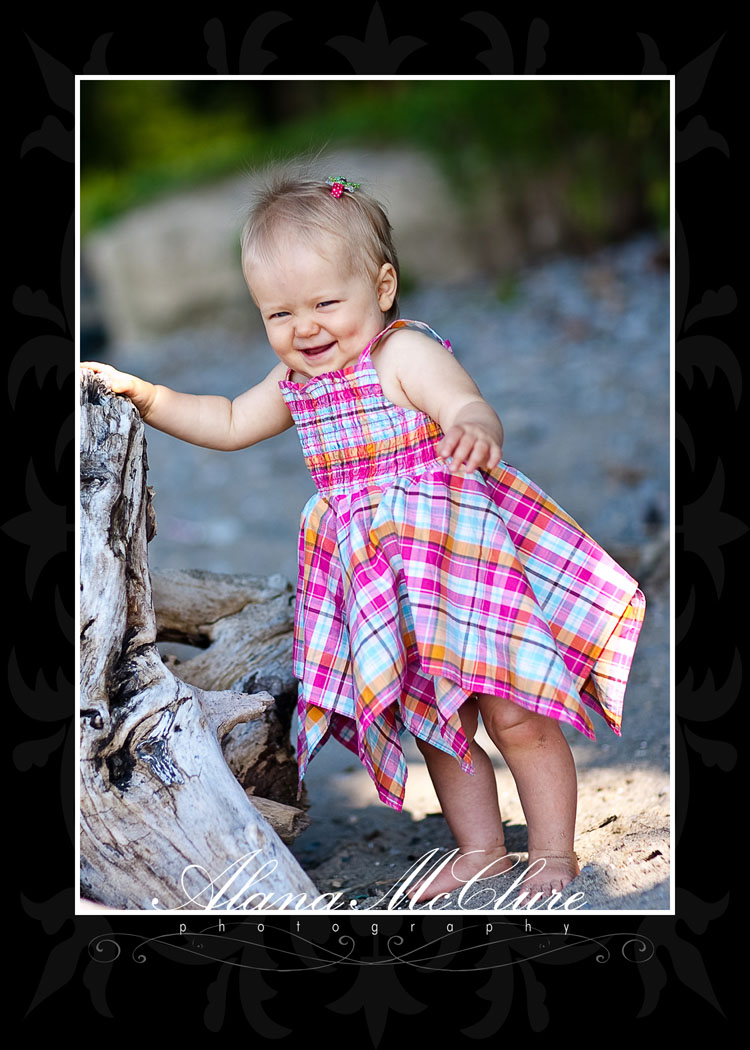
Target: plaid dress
[[418, 588]]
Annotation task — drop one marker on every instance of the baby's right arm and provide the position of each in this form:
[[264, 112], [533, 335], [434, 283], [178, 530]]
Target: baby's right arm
[[207, 420]]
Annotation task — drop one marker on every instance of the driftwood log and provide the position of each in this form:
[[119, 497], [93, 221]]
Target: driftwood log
[[165, 823], [243, 628]]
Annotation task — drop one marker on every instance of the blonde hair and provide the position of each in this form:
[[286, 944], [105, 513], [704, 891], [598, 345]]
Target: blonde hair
[[301, 204]]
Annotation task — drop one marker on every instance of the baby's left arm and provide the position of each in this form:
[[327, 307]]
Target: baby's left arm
[[434, 382]]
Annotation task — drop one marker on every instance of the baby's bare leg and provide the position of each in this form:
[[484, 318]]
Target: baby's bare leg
[[540, 759], [471, 810]]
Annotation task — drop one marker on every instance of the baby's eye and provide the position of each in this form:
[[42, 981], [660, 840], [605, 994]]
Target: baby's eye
[[329, 302], [280, 313]]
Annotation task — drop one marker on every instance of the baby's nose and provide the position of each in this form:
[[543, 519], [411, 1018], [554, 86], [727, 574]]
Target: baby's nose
[[307, 325]]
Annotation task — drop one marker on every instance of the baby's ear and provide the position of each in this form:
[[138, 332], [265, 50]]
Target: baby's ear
[[387, 286]]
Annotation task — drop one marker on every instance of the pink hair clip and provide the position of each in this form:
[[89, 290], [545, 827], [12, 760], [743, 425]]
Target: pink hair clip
[[338, 184]]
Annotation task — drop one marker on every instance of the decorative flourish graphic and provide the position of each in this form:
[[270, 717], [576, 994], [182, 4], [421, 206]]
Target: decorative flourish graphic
[[21, 529], [705, 529], [376, 53], [252, 57], [499, 58], [262, 945], [634, 949], [705, 517], [685, 958], [708, 699], [706, 354], [40, 524]]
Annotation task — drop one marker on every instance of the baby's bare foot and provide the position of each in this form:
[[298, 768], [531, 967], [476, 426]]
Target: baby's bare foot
[[550, 873], [460, 870]]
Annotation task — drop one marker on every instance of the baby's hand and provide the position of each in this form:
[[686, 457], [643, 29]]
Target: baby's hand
[[140, 392], [471, 446]]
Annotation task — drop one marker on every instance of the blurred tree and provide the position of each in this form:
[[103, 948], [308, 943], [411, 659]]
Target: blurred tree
[[140, 136]]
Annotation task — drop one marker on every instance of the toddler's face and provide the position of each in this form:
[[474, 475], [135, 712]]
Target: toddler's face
[[319, 317]]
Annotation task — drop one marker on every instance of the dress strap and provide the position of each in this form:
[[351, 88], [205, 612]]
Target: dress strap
[[403, 323]]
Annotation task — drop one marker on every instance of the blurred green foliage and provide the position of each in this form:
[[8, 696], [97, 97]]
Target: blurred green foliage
[[141, 138]]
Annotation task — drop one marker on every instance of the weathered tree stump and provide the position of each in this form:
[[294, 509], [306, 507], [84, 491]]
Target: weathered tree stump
[[164, 822]]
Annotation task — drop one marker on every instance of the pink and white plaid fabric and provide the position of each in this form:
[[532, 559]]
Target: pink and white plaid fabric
[[418, 588]]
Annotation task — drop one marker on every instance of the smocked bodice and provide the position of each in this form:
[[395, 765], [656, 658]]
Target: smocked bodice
[[351, 434]]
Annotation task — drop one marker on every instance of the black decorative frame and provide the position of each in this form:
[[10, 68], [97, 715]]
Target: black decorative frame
[[372, 987]]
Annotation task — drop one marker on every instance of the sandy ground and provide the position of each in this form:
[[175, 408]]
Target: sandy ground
[[577, 364]]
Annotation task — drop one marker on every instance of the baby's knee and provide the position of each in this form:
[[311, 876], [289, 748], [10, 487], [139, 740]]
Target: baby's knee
[[507, 721]]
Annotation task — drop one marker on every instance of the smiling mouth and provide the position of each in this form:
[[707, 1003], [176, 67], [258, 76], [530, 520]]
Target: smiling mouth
[[315, 351]]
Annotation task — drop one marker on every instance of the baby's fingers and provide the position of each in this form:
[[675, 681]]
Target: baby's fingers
[[448, 444], [120, 382], [95, 366], [458, 450], [479, 455], [101, 369], [486, 455], [469, 450]]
